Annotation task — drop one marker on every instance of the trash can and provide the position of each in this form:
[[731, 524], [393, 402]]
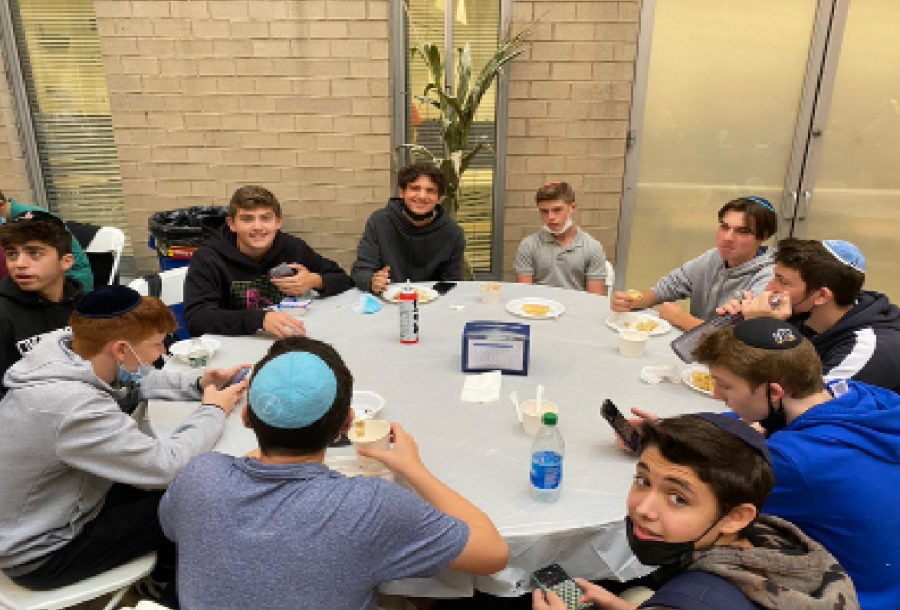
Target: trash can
[[176, 235]]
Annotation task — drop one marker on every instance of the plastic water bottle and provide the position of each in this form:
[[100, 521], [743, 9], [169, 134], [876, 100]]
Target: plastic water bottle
[[547, 452]]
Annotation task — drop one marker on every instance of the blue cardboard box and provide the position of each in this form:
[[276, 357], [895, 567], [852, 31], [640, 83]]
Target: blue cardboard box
[[496, 346]]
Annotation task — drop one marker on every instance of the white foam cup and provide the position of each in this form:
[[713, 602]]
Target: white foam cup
[[531, 419], [632, 343], [377, 436], [491, 293]]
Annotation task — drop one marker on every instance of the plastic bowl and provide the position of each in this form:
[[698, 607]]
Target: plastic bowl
[[181, 349], [366, 405]]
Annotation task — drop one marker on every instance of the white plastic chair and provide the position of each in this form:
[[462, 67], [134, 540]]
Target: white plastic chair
[[610, 277], [112, 240], [117, 580], [172, 290]]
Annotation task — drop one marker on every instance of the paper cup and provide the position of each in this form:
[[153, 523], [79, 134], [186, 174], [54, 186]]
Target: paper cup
[[491, 293], [531, 419], [377, 435], [632, 343]]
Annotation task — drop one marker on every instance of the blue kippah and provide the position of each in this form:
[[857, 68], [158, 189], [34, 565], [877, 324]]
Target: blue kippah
[[740, 429], [847, 253], [108, 302], [763, 202], [293, 390]]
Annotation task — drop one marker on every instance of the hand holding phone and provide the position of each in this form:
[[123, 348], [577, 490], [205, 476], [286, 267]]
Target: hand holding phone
[[629, 435], [554, 578], [237, 377]]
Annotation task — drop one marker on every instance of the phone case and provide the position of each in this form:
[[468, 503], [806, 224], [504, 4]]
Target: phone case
[[629, 435], [554, 578]]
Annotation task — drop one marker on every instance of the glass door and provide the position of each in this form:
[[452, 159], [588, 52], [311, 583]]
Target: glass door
[[851, 185], [718, 107]]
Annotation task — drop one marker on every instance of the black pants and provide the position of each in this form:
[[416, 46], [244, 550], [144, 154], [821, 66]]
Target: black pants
[[126, 527]]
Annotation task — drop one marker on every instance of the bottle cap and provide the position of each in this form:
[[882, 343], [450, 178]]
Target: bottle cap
[[549, 419]]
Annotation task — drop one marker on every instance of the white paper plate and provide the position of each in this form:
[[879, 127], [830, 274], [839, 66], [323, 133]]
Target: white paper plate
[[349, 466], [426, 295], [181, 349], [629, 321], [366, 405], [686, 377], [515, 307]]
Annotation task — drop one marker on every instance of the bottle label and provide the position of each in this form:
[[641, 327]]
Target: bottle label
[[409, 321], [546, 469]]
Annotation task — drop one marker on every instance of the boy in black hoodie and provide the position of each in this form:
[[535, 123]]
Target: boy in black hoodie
[[412, 238], [228, 283], [37, 296], [855, 332]]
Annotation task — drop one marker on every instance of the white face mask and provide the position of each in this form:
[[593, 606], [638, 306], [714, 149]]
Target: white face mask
[[561, 231]]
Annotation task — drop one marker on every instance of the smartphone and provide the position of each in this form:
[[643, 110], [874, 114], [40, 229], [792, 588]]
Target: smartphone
[[282, 270], [625, 431], [554, 578], [238, 377], [444, 287]]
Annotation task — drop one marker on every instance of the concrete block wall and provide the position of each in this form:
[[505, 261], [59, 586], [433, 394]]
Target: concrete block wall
[[209, 95], [570, 99]]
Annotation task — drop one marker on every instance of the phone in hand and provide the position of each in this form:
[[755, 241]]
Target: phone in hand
[[237, 377], [282, 270], [554, 578], [443, 288], [623, 429]]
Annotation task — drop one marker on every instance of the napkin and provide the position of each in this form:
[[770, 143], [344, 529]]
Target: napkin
[[657, 374], [483, 387], [367, 304]]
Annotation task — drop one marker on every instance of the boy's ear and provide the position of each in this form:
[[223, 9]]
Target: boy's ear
[[738, 518], [823, 295], [351, 415], [245, 415], [67, 261]]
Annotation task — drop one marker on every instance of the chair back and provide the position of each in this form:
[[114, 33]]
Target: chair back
[[110, 241], [118, 580], [169, 287]]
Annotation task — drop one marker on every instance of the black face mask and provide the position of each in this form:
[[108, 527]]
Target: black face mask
[[419, 217], [659, 553], [776, 419]]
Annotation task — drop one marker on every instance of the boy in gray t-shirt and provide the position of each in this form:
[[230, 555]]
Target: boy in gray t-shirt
[[279, 529], [561, 254]]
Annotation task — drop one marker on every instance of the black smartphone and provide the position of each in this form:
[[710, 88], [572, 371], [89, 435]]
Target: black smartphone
[[625, 431], [237, 377], [443, 287], [554, 578], [282, 270]]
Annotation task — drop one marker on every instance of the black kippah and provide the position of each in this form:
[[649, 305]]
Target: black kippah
[[738, 428], [767, 333], [39, 216], [108, 302]]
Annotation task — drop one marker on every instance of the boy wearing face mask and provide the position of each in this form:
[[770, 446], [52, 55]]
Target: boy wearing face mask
[[694, 511], [80, 480], [855, 332], [561, 254], [413, 237]]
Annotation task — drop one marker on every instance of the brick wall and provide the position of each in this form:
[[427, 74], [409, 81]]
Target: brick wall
[[13, 174], [291, 94], [570, 98]]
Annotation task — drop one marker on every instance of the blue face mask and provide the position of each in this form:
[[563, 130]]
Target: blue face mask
[[125, 377]]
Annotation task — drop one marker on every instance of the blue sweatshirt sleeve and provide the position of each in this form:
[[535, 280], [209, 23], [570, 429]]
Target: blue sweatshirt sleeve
[[791, 498]]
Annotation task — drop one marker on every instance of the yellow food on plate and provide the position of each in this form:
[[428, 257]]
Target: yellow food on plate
[[422, 295], [703, 381], [533, 309], [634, 295], [644, 325]]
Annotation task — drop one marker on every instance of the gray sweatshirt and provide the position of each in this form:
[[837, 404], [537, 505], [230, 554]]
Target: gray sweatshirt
[[64, 441], [709, 284]]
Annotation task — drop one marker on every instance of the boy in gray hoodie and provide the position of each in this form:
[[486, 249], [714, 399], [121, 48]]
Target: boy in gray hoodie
[[738, 263], [80, 479]]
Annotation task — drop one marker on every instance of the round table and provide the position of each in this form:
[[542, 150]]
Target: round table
[[479, 449]]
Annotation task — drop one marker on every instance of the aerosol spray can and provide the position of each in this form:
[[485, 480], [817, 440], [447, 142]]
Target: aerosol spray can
[[409, 314]]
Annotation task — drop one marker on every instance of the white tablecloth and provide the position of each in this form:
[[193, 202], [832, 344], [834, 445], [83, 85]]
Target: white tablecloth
[[479, 449]]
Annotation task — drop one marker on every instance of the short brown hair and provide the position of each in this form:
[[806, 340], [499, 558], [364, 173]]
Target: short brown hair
[[409, 174], [555, 191], [251, 197], [819, 268], [763, 221], [91, 335], [51, 234], [735, 472], [798, 370]]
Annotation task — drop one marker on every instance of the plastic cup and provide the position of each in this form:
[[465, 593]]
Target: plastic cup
[[632, 343], [376, 434], [491, 293], [531, 419]]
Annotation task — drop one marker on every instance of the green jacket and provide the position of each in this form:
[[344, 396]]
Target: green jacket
[[81, 270]]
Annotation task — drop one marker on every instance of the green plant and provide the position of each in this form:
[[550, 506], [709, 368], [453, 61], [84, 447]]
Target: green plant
[[457, 108]]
